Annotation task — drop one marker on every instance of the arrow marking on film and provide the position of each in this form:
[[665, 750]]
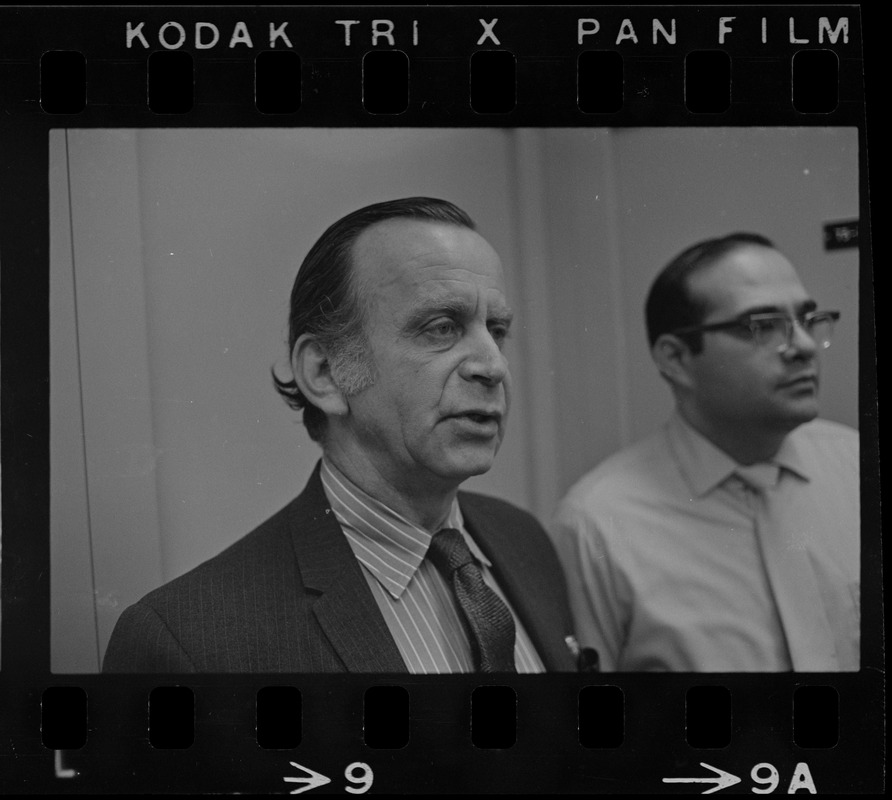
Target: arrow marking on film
[[312, 781], [723, 781]]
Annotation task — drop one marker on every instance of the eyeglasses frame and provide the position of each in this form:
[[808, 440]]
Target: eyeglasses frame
[[744, 321]]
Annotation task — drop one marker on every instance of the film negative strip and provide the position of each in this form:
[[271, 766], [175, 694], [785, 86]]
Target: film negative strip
[[165, 171]]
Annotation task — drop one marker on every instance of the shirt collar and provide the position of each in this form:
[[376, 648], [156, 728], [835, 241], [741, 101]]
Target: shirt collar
[[789, 457], [704, 466], [385, 542]]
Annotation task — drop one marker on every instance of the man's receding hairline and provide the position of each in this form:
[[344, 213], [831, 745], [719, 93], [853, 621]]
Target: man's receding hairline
[[707, 266], [394, 222], [406, 220], [735, 247]]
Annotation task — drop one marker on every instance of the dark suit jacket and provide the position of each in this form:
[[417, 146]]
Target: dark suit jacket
[[290, 597]]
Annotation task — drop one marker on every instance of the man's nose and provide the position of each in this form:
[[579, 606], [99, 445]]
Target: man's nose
[[485, 360], [802, 344]]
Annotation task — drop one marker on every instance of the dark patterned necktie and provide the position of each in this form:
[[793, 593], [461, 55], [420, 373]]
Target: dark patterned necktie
[[488, 618]]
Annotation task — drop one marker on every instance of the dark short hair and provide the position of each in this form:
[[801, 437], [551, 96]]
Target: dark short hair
[[670, 305], [324, 299]]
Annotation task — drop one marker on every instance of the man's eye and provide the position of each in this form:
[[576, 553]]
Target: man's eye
[[499, 332], [808, 321], [766, 326], [443, 329]]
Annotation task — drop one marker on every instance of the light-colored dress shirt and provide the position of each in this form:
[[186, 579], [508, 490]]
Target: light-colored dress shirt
[[417, 603], [677, 560]]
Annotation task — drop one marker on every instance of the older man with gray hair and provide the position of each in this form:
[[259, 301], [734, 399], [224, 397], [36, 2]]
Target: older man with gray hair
[[398, 321]]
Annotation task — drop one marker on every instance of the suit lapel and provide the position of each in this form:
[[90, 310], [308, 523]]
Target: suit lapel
[[345, 608], [347, 611], [525, 584]]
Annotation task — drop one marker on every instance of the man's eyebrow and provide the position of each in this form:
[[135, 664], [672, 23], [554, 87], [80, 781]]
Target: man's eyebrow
[[806, 306], [452, 308], [502, 316], [802, 308], [763, 310], [424, 312]]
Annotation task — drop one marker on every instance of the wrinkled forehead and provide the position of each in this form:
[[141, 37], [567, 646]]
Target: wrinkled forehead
[[749, 278], [417, 255]]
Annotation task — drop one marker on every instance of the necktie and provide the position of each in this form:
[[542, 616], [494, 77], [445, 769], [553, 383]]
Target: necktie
[[790, 573], [488, 618]]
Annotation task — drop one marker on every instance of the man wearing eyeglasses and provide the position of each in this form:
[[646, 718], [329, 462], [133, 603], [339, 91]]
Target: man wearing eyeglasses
[[728, 541]]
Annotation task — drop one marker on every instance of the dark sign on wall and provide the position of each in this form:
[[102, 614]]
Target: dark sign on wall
[[839, 235]]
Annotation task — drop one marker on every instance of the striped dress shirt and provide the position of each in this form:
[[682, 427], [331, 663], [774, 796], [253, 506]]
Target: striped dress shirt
[[417, 603]]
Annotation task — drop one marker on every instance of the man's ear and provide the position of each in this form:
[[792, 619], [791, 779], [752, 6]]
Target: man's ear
[[312, 373], [672, 355]]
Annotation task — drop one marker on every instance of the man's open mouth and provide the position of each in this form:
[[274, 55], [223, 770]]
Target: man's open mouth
[[479, 417]]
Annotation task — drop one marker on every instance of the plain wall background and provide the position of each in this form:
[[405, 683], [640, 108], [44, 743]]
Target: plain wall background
[[172, 263]]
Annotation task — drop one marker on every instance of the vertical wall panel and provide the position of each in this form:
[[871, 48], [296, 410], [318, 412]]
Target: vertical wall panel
[[73, 622], [116, 391], [584, 283], [534, 274]]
